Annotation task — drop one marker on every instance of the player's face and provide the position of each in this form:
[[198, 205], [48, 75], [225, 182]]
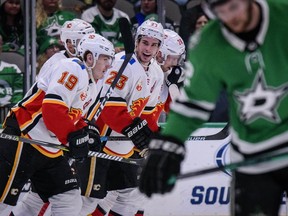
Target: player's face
[[147, 49], [234, 14], [103, 63], [70, 46], [172, 60]]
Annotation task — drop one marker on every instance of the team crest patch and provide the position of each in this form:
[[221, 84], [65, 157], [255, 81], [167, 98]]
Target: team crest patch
[[139, 86], [83, 96]]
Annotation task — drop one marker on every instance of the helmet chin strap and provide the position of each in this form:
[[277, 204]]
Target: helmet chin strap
[[67, 50], [89, 68], [75, 48]]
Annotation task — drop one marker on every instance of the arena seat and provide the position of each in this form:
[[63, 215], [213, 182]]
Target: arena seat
[[14, 58], [192, 3], [126, 7]]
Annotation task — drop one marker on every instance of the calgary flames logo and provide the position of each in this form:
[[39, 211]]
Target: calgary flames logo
[[137, 106], [139, 86], [83, 96]]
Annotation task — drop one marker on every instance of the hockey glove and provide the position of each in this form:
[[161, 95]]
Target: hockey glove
[[162, 164], [175, 77], [139, 133], [78, 144], [94, 137]]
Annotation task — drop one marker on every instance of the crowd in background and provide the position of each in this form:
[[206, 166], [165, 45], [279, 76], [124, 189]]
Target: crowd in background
[[103, 16]]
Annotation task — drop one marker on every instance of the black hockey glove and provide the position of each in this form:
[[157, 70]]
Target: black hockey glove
[[162, 165], [175, 77], [78, 144], [139, 133], [94, 137]]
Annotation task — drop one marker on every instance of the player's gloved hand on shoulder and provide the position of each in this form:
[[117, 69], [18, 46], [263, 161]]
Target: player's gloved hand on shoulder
[[139, 133], [94, 137], [78, 144], [176, 77], [162, 165]]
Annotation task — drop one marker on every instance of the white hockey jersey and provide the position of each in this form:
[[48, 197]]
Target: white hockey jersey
[[46, 67], [60, 102], [131, 94]]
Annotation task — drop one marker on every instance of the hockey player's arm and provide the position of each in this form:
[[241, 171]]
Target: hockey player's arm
[[58, 114], [115, 114], [119, 119], [151, 115], [58, 119]]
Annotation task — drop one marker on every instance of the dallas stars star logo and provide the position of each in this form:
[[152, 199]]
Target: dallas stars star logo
[[261, 101], [53, 29]]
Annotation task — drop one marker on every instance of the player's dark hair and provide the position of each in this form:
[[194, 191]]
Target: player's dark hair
[[85, 55]]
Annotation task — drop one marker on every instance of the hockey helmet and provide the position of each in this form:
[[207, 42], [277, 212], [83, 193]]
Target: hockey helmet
[[152, 29], [74, 30], [172, 45], [97, 45]]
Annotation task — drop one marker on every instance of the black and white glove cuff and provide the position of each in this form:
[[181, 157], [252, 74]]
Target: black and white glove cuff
[[168, 145]]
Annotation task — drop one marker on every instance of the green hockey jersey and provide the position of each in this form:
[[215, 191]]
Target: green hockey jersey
[[11, 84], [254, 75], [107, 28], [52, 26]]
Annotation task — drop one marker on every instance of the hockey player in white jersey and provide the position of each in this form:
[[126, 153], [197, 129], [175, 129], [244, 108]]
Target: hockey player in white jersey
[[71, 33], [171, 58], [121, 116], [54, 111]]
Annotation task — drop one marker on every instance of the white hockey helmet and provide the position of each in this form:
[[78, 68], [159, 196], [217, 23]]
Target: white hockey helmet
[[173, 45], [152, 29], [74, 30], [97, 45]]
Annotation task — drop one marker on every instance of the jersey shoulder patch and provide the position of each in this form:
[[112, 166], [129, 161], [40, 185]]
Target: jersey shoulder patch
[[79, 63], [132, 60]]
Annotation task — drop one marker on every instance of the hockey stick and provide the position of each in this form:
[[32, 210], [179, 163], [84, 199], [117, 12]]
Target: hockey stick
[[95, 112], [265, 157], [129, 50], [65, 148], [218, 136]]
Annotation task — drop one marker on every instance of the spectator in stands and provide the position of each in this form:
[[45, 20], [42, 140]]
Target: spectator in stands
[[192, 20], [49, 19], [104, 17], [11, 82], [148, 10], [11, 25], [47, 49]]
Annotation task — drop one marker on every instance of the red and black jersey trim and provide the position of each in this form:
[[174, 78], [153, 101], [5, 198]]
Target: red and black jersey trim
[[34, 91], [32, 125], [53, 96]]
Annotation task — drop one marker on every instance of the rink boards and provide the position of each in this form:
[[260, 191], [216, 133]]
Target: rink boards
[[205, 195]]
